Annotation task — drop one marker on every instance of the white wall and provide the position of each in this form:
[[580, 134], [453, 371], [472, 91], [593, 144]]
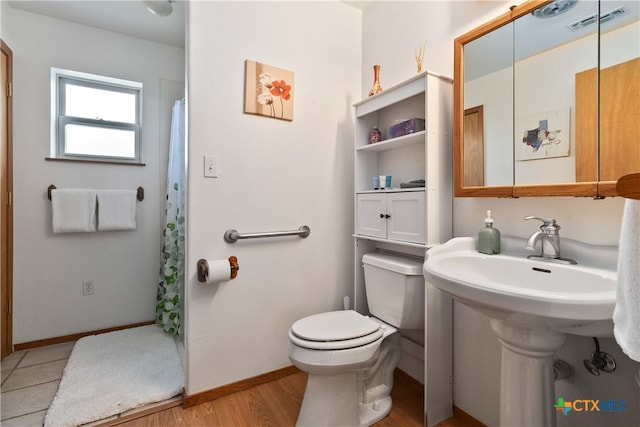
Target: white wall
[[495, 90], [394, 30], [391, 32], [498, 132], [276, 175], [533, 76], [49, 269]]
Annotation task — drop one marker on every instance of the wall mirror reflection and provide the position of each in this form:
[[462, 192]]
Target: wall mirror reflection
[[546, 96], [619, 93], [488, 85]]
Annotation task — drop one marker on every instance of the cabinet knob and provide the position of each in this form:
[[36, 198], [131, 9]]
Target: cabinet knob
[[381, 216], [385, 216]]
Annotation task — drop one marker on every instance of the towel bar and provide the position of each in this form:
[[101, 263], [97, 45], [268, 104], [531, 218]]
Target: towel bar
[[139, 196], [628, 186], [232, 236]]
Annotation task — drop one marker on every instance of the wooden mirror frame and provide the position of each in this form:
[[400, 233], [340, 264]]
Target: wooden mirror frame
[[580, 189]]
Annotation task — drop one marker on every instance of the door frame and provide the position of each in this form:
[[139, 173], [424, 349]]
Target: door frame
[[474, 146], [6, 207]]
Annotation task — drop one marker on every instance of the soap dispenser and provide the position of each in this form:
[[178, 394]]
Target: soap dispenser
[[489, 237]]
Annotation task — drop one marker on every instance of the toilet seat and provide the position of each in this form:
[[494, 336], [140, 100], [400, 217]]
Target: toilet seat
[[335, 330]]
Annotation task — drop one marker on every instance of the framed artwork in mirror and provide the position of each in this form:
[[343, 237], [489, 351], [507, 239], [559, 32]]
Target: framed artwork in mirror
[[544, 135]]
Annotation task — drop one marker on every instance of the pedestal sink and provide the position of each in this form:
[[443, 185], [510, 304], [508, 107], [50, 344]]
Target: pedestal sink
[[532, 304]]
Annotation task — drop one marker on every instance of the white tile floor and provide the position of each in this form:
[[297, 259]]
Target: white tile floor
[[29, 382]]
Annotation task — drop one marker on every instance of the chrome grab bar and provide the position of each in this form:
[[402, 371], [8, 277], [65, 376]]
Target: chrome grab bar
[[232, 236]]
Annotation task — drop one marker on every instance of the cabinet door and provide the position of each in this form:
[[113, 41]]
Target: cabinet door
[[370, 207], [407, 217]]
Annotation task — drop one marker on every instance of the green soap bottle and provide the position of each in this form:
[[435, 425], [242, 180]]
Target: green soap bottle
[[489, 237]]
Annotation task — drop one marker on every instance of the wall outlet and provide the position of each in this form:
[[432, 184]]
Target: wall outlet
[[87, 287]]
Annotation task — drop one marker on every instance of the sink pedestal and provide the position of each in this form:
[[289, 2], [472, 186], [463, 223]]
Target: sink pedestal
[[527, 390]]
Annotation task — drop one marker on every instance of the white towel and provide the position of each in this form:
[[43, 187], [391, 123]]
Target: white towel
[[116, 210], [73, 210], [626, 315]]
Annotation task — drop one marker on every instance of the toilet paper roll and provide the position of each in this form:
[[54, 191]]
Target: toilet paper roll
[[219, 270]]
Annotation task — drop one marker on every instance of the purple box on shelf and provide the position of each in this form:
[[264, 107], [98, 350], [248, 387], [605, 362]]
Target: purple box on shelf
[[406, 127]]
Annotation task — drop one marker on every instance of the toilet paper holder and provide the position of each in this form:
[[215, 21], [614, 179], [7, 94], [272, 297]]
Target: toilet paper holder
[[203, 268]]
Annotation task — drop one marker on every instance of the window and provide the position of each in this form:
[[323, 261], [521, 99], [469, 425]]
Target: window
[[95, 118]]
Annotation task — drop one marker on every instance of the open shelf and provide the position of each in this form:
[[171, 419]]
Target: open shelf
[[395, 143], [391, 190]]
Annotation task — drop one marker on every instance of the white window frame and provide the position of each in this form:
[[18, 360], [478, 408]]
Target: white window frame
[[59, 119]]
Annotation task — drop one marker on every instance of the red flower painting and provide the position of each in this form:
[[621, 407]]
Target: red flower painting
[[281, 89], [264, 85]]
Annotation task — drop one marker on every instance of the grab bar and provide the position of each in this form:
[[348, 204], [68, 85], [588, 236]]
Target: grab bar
[[232, 236]]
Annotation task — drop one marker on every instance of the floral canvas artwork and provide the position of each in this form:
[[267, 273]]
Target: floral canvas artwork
[[268, 91]]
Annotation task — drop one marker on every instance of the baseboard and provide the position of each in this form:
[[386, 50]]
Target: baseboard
[[139, 412], [465, 419], [74, 337], [216, 393]]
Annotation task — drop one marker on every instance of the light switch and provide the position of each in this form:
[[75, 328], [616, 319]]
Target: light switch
[[211, 166]]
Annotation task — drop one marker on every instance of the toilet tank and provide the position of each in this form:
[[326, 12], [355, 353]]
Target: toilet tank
[[395, 289]]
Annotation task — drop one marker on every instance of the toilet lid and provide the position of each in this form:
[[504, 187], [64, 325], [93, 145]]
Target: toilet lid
[[336, 326], [335, 330]]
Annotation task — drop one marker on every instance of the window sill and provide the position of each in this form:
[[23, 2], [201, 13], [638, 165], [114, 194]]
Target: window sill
[[107, 162]]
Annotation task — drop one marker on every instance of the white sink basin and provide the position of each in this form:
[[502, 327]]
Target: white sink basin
[[577, 299], [532, 305]]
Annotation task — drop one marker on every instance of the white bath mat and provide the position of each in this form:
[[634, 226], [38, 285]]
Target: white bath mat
[[111, 373]]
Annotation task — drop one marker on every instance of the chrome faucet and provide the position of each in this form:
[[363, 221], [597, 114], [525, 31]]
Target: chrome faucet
[[549, 238]]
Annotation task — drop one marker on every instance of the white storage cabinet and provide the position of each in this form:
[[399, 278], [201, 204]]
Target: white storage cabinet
[[418, 218], [397, 216]]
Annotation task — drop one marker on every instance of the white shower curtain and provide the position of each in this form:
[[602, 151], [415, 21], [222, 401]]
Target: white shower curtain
[[170, 298]]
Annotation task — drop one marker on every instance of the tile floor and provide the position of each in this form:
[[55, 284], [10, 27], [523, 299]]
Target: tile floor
[[30, 380]]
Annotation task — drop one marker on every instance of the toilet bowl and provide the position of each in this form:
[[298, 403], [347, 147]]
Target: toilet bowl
[[350, 357], [346, 340]]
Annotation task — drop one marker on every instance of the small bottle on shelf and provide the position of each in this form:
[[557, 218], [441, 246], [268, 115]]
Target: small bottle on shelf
[[375, 135]]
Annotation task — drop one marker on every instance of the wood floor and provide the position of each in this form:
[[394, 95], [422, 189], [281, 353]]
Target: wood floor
[[276, 404]]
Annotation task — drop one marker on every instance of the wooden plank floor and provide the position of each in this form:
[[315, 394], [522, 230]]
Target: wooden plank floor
[[277, 404]]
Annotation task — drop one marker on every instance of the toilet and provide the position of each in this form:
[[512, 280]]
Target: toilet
[[350, 358]]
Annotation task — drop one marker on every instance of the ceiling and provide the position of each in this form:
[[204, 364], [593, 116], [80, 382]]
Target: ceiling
[[123, 16], [126, 17], [357, 4], [131, 17], [530, 35]]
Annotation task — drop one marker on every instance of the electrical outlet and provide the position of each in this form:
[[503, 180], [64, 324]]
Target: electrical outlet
[[87, 287]]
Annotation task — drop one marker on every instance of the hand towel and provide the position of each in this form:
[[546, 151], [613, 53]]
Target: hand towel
[[626, 315], [116, 210], [73, 210]]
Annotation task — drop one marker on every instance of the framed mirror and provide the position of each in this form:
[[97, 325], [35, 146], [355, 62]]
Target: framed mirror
[[488, 99], [619, 93], [530, 92]]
